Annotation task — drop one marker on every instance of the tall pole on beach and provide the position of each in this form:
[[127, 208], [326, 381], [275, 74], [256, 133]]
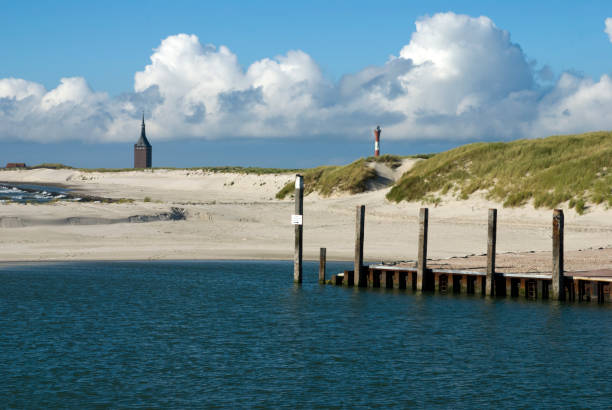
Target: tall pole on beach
[[297, 220], [359, 278], [491, 245], [422, 275], [558, 290]]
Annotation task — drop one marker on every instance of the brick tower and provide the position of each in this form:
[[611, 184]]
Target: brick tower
[[142, 149]]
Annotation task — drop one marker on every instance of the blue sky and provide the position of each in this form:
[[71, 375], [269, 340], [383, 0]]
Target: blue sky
[[106, 43]]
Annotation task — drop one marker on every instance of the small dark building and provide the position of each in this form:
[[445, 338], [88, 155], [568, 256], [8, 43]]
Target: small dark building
[[142, 149], [15, 165]]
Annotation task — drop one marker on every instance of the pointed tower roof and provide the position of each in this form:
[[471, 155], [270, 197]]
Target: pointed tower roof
[[143, 141]]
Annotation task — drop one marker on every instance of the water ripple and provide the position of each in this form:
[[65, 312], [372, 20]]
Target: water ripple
[[240, 334]]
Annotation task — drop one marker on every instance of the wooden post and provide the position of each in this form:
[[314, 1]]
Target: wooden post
[[491, 245], [540, 289], [322, 261], [360, 278], [558, 290], [299, 210], [422, 251], [479, 289]]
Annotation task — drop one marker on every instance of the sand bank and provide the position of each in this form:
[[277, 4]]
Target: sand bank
[[235, 216]]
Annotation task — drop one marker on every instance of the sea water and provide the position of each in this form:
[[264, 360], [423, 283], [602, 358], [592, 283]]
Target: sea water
[[31, 193], [241, 334]]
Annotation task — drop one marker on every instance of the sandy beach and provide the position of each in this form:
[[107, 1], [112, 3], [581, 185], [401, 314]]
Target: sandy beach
[[235, 216]]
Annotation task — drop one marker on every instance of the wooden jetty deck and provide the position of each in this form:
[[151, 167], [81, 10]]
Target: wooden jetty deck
[[553, 282], [594, 285], [482, 278]]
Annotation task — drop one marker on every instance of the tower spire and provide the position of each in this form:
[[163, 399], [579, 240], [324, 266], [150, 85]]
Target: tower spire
[[142, 149], [142, 141]]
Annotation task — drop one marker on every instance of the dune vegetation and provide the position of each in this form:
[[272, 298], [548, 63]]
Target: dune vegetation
[[352, 178], [51, 166], [547, 171], [219, 169]]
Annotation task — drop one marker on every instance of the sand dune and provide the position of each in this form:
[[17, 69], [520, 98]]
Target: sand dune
[[231, 215]]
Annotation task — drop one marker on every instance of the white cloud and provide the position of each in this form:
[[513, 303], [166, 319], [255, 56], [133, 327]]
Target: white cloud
[[576, 105], [608, 29], [18, 89], [461, 69], [459, 77], [71, 110], [206, 93]]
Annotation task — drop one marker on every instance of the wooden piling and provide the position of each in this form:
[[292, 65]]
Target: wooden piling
[[542, 289], [558, 288], [388, 280], [322, 263], [479, 285], [299, 210], [422, 282], [491, 246], [360, 278]]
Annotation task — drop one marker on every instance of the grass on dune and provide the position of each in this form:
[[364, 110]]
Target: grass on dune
[[224, 169], [547, 171], [50, 166], [352, 178], [392, 161], [327, 179]]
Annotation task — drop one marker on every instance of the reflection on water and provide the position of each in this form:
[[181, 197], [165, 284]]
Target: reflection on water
[[241, 334]]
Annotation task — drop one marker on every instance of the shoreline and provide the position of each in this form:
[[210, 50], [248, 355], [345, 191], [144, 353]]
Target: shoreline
[[230, 216], [9, 264], [537, 261]]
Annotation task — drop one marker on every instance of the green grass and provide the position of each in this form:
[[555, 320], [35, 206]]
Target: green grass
[[547, 171], [325, 180], [225, 169], [392, 161], [352, 178], [48, 166]]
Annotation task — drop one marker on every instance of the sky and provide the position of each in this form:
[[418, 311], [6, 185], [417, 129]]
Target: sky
[[294, 84]]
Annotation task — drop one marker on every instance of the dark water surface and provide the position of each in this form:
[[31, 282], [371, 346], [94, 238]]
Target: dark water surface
[[31, 193], [240, 334]]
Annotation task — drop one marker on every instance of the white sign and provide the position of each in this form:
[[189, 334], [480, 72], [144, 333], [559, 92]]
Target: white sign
[[299, 182], [296, 219]]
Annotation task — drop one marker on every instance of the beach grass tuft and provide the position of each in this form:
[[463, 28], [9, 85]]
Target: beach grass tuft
[[51, 166], [325, 180], [352, 178], [223, 169], [547, 171]]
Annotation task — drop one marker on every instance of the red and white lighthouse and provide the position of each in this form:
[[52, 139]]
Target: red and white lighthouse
[[377, 141]]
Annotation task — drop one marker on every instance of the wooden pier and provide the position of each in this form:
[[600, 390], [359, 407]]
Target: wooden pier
[[594, 286], [556, 284]]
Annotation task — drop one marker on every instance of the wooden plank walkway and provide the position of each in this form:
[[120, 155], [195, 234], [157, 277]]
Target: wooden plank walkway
[[544, 278]]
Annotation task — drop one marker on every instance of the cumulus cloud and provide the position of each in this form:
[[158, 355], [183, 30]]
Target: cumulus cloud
[[608, 29], [71, 110], [458, 77], [447, 80], [206, 93]]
